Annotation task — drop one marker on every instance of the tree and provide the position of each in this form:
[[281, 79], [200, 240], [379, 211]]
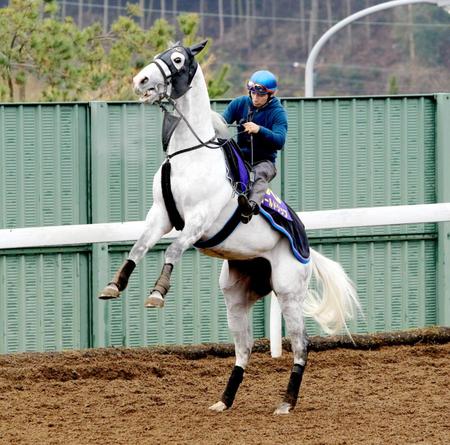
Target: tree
[[121, 53], [70, 63], [36, 46], [393, 85], [313, 19], [60, 50], [216, 81], [15, 45]]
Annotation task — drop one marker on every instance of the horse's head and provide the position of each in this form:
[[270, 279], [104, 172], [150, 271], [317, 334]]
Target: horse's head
[[169, 74]]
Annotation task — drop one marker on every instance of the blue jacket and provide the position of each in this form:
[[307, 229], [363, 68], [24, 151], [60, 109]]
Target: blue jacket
[[272, 120]]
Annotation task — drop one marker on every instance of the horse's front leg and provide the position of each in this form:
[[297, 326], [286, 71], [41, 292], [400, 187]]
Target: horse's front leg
[[157, 224], [193, 230]]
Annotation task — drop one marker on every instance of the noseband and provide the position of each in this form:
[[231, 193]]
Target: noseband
[[166, 77]]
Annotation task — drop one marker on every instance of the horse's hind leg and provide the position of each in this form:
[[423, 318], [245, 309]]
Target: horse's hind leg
[[291, 294], [291, 309], [238, 299]]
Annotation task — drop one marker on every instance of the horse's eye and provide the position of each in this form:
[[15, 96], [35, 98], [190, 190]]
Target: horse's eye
[[177, 60]]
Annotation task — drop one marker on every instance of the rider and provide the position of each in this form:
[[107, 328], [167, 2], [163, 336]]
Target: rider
[[263, 126]]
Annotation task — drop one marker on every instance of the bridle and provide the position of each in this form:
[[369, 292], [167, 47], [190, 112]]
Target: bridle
[[167, 75]]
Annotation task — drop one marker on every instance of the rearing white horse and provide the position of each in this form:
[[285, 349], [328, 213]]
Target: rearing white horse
[[258, 259]]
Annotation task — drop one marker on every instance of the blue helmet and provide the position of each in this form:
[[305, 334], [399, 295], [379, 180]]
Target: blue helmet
[[262, 82]]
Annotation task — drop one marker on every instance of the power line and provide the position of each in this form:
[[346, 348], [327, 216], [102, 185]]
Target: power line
[[297, 65], [256, 17]]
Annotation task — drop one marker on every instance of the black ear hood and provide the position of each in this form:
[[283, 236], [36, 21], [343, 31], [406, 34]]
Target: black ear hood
[[181, 79], [195, 49]]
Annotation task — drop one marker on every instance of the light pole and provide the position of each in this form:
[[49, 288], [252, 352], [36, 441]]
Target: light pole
[[309, 68]]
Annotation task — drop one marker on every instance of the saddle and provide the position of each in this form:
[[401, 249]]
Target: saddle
[[238, 169], [277, 212]]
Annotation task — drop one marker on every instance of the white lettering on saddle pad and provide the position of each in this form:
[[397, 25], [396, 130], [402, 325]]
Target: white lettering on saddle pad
[[273, 202]]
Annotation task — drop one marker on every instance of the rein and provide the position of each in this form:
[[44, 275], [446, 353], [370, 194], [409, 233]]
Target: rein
[[212, 144], [195, 147]]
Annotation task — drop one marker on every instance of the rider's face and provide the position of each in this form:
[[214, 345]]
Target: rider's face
[[259, 99]]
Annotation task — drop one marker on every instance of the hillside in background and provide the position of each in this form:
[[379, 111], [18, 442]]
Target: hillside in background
[[400, 50], [406, 49]]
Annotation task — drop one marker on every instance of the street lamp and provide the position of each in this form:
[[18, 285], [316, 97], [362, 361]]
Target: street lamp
[[309, 68]]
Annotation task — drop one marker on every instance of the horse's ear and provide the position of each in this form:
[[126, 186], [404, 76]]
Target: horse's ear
[[195, 49]]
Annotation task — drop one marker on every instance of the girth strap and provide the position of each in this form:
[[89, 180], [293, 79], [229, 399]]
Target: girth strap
[[222, 234], [177, 220], [171, 207]]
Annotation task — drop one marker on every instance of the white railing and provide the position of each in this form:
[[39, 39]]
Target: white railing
[[130, 231]]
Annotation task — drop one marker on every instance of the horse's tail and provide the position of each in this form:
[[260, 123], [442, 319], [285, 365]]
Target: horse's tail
[[336, 300]]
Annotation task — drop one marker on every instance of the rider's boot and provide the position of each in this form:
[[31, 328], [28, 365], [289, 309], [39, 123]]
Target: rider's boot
[[248, 208]]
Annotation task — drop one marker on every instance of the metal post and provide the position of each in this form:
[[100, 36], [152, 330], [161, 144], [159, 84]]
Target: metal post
[[309, 69], [443, 193], [275, 327]]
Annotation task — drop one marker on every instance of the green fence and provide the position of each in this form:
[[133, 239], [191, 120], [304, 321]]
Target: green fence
[[94, 162], [44, 180]]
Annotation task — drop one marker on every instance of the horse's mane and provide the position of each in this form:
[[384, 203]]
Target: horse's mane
[[220, 126]]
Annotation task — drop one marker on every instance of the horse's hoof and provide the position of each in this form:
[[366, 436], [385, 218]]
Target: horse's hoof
[[283, 408], [109, 292], [218, 407], [155, 299]]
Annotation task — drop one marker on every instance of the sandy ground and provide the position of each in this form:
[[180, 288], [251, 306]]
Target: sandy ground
[[388, 395]]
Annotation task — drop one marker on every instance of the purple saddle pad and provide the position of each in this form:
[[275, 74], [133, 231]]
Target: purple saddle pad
[[283, 219]]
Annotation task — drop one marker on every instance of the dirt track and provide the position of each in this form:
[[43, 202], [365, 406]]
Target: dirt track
[[391, 395]]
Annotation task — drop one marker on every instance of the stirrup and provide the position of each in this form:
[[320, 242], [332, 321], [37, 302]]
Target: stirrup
[[245, 219], [244, 204], [248, 208]]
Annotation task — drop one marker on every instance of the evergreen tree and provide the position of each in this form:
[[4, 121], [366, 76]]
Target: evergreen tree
[[69, 63]]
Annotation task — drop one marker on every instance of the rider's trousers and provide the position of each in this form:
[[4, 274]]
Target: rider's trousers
[[264, 172]]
